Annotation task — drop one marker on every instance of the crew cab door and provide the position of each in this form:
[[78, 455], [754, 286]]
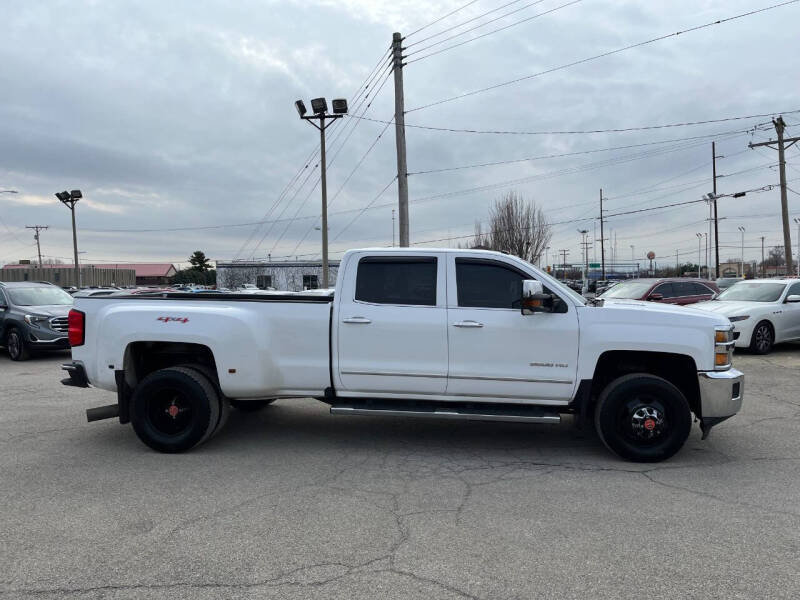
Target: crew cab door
[[496, 352], [392, 325]]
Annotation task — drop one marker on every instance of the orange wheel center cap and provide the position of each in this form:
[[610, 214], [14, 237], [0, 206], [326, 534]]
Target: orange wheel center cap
[[173, 411], [649, 424]]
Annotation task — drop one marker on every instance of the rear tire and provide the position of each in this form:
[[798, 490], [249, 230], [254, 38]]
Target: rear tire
[[762, 339], [643, 418], [16, 345], [249, 406], [175, 409]]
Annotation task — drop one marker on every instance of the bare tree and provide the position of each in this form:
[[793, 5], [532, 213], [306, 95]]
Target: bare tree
[[517, 227]]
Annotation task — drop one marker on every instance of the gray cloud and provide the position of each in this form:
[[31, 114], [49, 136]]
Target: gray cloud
[[181, 115]]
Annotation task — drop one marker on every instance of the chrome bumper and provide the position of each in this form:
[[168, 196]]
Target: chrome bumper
[[721, 393]]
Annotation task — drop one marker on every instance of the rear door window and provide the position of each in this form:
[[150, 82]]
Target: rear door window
[[685, 288], [397, 280], [665, 289]]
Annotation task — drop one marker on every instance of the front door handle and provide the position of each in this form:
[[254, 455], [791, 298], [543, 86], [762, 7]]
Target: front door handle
[[361, 320], [467, 324]]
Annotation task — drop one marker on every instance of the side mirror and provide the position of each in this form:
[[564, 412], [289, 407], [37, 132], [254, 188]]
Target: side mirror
[[793, 298], [655, 297], [534, 299]]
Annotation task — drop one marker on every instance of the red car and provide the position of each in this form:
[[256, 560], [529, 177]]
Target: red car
[[677, 290]]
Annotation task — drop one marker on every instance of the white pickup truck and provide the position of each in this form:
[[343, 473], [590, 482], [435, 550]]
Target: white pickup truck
[[446, 333]]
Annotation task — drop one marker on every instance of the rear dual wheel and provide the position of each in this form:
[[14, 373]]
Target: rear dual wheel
[[175, 409]]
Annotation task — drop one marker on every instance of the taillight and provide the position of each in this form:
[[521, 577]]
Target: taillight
[[76, 322]]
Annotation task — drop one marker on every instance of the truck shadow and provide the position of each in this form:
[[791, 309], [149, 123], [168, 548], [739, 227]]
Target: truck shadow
[[307, 425]]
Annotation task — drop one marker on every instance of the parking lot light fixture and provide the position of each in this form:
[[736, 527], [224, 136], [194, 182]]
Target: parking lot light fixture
[[319, 108], [69, 199]]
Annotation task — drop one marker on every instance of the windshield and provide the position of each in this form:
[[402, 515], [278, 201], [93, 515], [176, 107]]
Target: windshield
[[39, 296], [753, 292], [628, 289]]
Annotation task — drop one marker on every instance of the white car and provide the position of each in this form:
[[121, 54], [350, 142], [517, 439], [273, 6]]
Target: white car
[[763, 312]]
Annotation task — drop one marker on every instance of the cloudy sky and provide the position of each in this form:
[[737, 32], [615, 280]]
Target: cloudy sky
[[176, 120]]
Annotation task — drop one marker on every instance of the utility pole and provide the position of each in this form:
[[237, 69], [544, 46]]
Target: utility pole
[[400, 139], [392, 228], [585, 247], [763, 268], [716, 221], [37, 229], [677, 265], [782, 142], [564, 262], [741, 229], [708, 275], [699, 250], [602, 241]]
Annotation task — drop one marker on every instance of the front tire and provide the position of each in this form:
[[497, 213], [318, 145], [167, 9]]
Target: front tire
[[763, 338], [16, 345], [175, 409], [643, 418]]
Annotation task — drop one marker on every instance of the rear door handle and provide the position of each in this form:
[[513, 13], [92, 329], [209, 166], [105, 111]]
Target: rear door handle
[[467, 324], [361, 320]]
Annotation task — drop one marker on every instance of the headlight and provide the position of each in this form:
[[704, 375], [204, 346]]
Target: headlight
[[739, 318], [35, 320], [723, 348]]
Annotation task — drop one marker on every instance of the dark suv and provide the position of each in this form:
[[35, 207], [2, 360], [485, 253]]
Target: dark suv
[[33, 316]]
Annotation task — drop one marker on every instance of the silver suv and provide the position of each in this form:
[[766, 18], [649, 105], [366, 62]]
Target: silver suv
[[33, 316]]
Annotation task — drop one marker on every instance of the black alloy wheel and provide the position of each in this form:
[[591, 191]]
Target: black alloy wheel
[[174, 409], [763, 339], [643, 418], [16, 346]]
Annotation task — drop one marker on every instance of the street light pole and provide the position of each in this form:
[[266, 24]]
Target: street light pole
[[69, 199], [319, 106]]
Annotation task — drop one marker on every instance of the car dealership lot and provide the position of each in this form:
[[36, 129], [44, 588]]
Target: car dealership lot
[[294, 503]]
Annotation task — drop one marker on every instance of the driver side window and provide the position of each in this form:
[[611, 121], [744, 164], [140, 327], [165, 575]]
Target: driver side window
[[488, 284], [794, 289]]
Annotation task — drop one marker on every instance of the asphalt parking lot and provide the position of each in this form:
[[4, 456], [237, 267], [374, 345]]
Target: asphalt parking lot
[[294, 503]]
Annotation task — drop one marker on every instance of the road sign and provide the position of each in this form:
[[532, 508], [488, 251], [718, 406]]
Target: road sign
[[594, 265]]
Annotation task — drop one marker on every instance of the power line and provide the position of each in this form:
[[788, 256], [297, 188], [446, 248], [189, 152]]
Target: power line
[[483, 35], [577, 153], [442, 18], [363, 210], [489, 22], [358, 98], [352, 172], [480, 16], [588, 131], [603, 55], [308, 196]]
